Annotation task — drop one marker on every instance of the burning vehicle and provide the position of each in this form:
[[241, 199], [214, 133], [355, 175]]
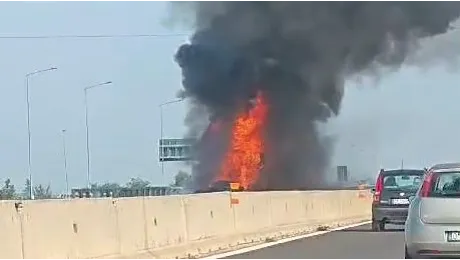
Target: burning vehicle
[[219, 186], [241, 158]]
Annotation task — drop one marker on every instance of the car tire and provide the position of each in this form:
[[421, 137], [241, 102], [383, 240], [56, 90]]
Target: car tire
[[406, 254], [376, 225], [382, 226]]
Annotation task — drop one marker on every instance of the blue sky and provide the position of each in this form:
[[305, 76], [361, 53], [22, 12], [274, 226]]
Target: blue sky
[[397, 117]]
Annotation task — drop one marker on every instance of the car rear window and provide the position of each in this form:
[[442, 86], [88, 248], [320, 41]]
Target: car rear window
[[402, 181], [446, 184]]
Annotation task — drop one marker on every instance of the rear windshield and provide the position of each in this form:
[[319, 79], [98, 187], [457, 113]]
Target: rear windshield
[[446, 184], [402, 182]]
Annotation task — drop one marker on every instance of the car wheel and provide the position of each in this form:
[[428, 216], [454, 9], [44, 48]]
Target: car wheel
[[382, 226], [376, 226], [406, 254]]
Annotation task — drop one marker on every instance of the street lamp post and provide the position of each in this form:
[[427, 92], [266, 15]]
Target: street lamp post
[[88, 176], [161, 133], [29, 164], [65, 163]]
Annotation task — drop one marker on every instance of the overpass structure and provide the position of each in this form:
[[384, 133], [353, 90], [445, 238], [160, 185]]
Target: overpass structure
[[179, 226]]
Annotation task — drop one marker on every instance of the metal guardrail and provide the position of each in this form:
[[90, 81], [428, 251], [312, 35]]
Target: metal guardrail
[[125, 192]]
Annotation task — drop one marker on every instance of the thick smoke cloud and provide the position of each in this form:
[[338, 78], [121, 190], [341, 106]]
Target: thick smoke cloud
[[298, 54]]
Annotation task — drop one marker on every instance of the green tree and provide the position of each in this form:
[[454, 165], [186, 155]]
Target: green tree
[[182, 179], [26, 191], [8, 192], [42, 192], [137, 183], [106, 186], [110, 186]]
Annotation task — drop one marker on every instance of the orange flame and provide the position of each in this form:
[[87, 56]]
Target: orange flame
[[243, 160]]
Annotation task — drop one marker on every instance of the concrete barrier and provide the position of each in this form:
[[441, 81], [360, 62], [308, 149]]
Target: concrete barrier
[[170, 226], [11, 231]]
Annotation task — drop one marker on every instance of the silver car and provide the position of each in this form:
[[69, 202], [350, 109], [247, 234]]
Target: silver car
[[432, 227]]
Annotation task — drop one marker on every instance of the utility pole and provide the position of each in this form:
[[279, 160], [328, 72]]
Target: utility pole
[[66, 176], [88, 166], [161, 135], [29, 164]]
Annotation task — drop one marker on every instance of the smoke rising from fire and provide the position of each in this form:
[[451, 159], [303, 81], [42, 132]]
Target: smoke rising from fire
[[298, 55]]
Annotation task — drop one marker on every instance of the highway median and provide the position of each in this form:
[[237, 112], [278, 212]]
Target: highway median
[[178, 226]]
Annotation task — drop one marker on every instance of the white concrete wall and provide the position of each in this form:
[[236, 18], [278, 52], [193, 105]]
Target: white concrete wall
[[91, 228]]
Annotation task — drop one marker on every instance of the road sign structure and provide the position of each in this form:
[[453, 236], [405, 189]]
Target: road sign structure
[[173, 150]]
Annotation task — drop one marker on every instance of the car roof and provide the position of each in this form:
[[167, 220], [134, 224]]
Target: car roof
[[445, 167], [403, 171]]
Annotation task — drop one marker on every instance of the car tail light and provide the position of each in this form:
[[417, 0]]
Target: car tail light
[[378, 188], [427, 185]]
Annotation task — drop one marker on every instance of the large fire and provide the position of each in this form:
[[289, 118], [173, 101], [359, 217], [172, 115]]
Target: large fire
[[244, 157]]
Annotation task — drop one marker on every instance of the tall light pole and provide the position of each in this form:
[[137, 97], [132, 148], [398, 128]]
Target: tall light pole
[[65, 162], [29, 164], [88, 176], [161, 133]]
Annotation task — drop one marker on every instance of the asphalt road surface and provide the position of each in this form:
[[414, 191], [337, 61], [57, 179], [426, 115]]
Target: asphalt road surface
[[358, 242]]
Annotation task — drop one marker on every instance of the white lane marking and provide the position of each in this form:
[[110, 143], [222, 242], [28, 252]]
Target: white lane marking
[[281, 241]]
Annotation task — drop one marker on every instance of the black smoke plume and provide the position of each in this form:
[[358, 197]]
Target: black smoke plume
[[298, 54]]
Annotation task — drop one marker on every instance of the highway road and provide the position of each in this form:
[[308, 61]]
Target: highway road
[[358, 242]]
